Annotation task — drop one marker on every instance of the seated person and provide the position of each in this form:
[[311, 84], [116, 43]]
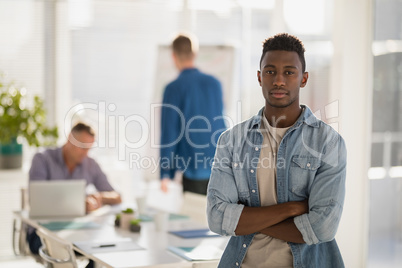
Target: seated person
[[72, 162]]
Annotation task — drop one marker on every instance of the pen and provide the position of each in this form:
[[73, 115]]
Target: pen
[[105, 246]]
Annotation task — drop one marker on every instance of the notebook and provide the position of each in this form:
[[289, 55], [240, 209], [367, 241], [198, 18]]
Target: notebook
[[57, 198]]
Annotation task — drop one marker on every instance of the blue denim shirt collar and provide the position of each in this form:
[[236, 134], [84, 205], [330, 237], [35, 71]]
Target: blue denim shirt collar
[[305, 117]]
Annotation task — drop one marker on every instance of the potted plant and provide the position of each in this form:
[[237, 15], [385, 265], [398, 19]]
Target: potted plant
[[21, 117], [135, 225], [125, 217], [117, 220]]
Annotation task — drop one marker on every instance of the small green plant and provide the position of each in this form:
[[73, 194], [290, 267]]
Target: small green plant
[[128, 211], [23, 117], [135, 221], [135, 225], [117, 220]]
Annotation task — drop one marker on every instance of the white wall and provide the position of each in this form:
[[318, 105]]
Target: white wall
[[350, 84]]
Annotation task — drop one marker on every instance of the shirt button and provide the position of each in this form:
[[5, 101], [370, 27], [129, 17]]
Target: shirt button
[[252, 171], [308, 164], [235, 164], [244, 245], [237, 264], [256, 148], [253, 191]]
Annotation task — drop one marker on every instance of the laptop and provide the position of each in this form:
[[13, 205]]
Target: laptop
[[57, 198]]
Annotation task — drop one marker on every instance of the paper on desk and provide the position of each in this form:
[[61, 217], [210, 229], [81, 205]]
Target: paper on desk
[[199, 253], [170, 201]]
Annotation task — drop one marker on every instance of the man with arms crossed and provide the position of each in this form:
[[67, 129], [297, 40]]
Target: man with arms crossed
[[278, 181]]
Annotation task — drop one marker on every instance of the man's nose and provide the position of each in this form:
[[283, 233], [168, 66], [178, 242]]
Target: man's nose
[[279, 80]]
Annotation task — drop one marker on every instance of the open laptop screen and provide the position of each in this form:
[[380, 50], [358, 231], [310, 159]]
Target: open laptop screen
[[57, 198]]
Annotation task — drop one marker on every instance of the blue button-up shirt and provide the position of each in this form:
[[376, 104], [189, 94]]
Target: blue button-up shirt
[[311, 164], [192, 121]]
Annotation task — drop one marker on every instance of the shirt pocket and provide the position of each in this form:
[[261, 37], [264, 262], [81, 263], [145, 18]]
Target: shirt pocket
[[239, 173], [301, 174]]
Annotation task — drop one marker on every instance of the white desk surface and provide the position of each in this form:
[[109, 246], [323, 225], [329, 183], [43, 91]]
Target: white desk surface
[[154, 243]]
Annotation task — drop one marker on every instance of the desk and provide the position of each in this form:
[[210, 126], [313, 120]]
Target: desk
[[154, 244]]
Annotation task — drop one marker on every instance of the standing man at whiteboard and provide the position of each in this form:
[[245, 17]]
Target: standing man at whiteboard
[[191, 121]]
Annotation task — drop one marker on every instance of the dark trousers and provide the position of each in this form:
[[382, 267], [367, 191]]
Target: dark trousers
[[195, 186], [34, 242]]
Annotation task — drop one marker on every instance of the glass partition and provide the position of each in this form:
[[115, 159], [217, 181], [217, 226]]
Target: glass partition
[[385, 174]]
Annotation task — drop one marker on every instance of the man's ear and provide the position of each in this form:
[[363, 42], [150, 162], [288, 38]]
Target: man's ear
[[304, 79], [259, 77], [176, 61]]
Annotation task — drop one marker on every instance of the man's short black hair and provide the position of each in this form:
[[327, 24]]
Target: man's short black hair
[[81, 127], [287, 42]]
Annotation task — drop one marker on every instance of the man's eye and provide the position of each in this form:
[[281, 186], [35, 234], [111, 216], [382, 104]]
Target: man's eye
[[289, 72], [269, 72]]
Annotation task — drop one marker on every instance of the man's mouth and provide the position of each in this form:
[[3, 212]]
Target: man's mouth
[[278, 94]]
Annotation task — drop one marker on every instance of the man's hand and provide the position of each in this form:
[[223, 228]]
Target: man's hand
[[110, 198], [286, 230], [93, 201], [165, 185]]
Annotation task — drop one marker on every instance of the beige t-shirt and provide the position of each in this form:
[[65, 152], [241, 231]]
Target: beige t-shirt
[[266, 251]]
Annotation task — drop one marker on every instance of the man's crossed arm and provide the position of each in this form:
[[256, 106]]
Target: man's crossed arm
[[275, 221]]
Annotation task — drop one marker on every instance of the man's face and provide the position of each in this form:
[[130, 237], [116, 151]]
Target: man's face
[[80, 144], [281, 77]]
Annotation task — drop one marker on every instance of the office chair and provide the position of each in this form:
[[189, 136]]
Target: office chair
[[19, 237], [56, 252], [20, 245]]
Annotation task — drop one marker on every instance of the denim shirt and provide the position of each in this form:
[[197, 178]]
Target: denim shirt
[[311, 164]]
